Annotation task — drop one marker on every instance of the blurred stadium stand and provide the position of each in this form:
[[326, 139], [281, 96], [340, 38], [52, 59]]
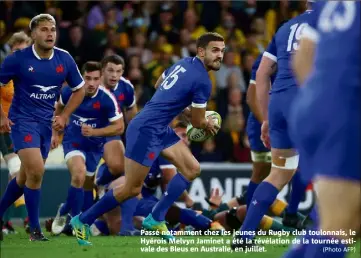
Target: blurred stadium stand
[[151, 35]]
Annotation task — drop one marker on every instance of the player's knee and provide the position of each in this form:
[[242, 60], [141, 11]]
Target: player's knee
[[279, 178], [116, 166], [194, 171], [78, 179], [21, 178], [34, 177], [134, 191], [35, 172]]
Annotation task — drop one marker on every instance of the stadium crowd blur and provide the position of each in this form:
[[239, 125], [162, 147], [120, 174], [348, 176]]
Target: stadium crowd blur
[[152, 35]]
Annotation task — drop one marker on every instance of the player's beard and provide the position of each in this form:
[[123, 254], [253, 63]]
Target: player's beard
[[216, 64]]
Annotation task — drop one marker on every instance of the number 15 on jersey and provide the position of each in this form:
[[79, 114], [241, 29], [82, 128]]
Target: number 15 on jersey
[[172, 78]]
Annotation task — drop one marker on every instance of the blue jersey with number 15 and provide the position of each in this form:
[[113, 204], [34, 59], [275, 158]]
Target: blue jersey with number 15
[[185, 83], [283, 45]]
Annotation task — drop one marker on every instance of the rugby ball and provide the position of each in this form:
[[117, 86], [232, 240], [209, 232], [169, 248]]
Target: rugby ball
[[200, 135]]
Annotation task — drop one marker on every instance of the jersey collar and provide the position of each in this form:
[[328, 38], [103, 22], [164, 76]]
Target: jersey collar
[[199, 61], [96, 93], [116, 87], [37, 56]]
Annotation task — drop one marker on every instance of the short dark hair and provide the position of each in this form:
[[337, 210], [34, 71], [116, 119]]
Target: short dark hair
[[91, 66], [114, 59], [207, 37]]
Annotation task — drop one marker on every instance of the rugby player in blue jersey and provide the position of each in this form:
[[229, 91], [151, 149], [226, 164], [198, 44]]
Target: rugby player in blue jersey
[[38, 72], [275, 108], [97, 117], [148, 135], [326, 125]]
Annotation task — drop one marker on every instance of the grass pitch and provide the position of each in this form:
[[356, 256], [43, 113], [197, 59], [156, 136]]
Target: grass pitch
[[19, 246]]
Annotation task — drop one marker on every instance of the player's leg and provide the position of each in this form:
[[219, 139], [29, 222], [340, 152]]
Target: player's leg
[[284, 164], [33, 162], [126, 225], [113, 166], [13, 163], [88, 192], [261, 168], [298, 187], [134, 181], [261, 157], [75, 161], [339, 211], [128, 206], [179, 155], [141, 147], [27, 142]]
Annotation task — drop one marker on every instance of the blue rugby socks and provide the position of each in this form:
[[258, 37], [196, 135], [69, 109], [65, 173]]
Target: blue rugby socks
[[175, 188], [12, 193], [263, 197], [32, 201]]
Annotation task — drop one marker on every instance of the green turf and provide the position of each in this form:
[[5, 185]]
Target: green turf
[[18, 246]]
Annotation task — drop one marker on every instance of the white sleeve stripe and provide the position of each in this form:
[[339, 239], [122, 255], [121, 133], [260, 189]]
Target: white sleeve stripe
[[310, 33], [79, 86], [252, 82], [167, 166], [270, 56], [112, 97], [163, 75], [118, 116], [133, 103], [197, 105], [61, 100]]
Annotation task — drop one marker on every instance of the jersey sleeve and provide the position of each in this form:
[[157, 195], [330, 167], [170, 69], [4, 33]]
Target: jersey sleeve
[[129, 95], [8, 69], [73, 78], [271, 51], [65, 95], [112, 108], [201, 94]]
